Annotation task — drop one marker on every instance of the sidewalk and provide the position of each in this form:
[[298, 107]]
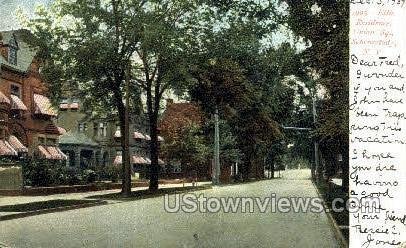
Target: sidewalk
[[84, 196]]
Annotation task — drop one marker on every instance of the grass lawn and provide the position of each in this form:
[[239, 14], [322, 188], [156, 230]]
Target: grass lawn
[[329, 192]]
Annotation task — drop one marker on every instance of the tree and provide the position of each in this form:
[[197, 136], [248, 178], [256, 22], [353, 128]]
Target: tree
[[181, 126], [167, 37], [324, 25], [188, 147], [86, 47], [93, 46]]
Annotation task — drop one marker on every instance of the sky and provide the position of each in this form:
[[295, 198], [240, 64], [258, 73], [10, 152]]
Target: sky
[[9, 19], [8, 10]]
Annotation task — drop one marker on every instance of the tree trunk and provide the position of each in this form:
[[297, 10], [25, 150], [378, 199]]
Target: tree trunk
[[126, 168], [154, 172], [153, 108]]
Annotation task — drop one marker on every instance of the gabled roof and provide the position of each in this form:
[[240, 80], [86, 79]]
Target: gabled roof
[[25, 54]]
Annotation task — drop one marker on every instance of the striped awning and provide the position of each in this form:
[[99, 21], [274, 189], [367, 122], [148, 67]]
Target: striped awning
[[61, 130], [138, 135], [138, 160], [64, 106], [148, 161], [4, 98], [51, 152], [17, 104], [74, 105], [43, 105], [16, 144], [135, 159], [6, 149], [65, 157], [56, 155], [43, 152], [118, 160]]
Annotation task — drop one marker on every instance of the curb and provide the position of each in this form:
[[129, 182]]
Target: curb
[[94, 187], [334, 226], [51, 210]]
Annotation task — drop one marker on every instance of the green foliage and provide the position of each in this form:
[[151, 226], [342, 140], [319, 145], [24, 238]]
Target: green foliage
[[325, 26], [214, 49], [248, 85], [43, 173], [111, 173], [189, 147], [229, 152]]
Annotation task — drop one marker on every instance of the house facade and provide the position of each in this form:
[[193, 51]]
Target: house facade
[[97, 139], [27, 119]]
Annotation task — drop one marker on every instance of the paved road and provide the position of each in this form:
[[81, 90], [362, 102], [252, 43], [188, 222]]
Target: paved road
[[144, 223]]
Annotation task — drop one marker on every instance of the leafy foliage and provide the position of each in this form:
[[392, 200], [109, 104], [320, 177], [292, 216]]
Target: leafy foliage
[[324, 25]]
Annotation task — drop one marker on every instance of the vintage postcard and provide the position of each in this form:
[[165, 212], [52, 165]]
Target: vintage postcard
[[203, 123]]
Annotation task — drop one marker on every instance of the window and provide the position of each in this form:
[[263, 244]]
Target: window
[[41, 140], [82, 127], [12, 52], [74, 106], [51, 142], [15, 90], [95, 129], [103, 129]]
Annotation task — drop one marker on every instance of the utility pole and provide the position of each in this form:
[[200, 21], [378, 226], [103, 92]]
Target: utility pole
[[216, 176], [315, 173]]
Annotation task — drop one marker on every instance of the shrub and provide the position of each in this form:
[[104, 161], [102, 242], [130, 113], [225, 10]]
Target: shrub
[[112, 173], [41, 172], [89, 176]]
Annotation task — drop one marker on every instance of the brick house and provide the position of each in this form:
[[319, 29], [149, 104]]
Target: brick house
[[26, 116]]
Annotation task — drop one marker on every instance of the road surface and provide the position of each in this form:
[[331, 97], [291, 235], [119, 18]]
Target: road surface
[[144, 223]]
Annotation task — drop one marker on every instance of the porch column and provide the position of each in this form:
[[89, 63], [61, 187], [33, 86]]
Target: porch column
[[94, 159], [77, 157]]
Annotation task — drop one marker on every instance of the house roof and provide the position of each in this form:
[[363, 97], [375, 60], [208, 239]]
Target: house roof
[[76, 138], [25, 54]]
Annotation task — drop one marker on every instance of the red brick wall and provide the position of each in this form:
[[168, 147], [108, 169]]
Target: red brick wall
[[29, 83]]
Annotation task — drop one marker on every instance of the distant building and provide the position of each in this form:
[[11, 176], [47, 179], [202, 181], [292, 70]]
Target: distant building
[[95, 141], [26, 116]]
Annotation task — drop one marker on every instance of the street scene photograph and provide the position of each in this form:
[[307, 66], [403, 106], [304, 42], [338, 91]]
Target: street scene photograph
[[174, 123]]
